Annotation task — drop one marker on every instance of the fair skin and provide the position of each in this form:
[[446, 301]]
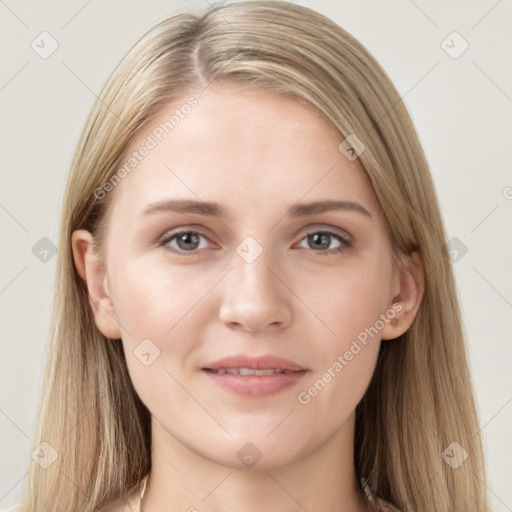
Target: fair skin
[[256, 155]]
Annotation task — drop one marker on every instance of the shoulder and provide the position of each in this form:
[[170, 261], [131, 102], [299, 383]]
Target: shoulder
[[130, 504]]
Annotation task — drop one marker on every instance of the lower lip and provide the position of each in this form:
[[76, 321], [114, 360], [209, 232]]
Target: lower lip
[[256, 385]]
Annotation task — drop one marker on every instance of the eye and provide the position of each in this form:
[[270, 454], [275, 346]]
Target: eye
[[184, 241], [188, 241], [322, 239]]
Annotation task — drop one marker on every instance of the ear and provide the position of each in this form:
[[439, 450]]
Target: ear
[[93, 272], [409, 287]]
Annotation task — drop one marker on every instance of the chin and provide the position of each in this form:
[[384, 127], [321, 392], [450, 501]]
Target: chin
[[254, 453]]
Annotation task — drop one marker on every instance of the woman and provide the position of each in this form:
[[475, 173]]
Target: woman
[[254, 307]]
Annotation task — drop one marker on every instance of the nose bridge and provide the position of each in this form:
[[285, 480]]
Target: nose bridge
[[253, 296], [251, 272]]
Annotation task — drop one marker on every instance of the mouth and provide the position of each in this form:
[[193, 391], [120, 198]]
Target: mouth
[[256, 376], [247, 371], [242, 362]]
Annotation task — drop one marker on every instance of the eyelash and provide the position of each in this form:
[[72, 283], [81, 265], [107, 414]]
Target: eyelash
[[345, 244]]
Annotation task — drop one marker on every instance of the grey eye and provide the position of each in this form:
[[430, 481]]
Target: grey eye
[[321, 240], [186, 241]]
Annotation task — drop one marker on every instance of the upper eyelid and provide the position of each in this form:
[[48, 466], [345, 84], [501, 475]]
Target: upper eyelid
[[333, 231]]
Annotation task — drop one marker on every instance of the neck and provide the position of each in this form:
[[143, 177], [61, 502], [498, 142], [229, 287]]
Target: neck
[[325, 479]]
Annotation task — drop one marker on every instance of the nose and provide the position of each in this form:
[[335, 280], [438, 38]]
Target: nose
[[254, 296]]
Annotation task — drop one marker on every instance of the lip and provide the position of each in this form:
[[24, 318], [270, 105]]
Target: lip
[[265, 362], [255, 385]]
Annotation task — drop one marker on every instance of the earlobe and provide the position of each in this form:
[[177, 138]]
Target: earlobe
[[408, 299], [93, 272]]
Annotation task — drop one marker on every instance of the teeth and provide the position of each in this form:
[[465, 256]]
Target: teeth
[[249, 371]]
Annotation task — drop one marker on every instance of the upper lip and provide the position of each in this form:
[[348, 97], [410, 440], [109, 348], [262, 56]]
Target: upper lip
[[266, 362]]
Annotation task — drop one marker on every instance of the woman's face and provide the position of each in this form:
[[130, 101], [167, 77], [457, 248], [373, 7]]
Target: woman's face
[[221, 244]]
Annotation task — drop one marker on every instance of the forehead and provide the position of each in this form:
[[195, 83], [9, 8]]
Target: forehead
[[244, 148]]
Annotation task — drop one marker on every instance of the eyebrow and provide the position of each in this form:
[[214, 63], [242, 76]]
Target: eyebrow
[[215, 210]]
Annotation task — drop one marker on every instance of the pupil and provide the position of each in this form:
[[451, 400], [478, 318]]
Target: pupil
[[319, 238], [187, 238]]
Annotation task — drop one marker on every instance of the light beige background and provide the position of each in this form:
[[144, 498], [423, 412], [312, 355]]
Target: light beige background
[[462, 109]]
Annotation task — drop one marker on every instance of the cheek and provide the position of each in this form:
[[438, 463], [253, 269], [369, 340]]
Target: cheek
[[331, 395], [162, 311], [345, 350], [348, 337], [349, 300], [153, 299]]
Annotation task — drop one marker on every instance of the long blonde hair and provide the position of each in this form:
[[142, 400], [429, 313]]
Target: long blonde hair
[[420, 399]]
